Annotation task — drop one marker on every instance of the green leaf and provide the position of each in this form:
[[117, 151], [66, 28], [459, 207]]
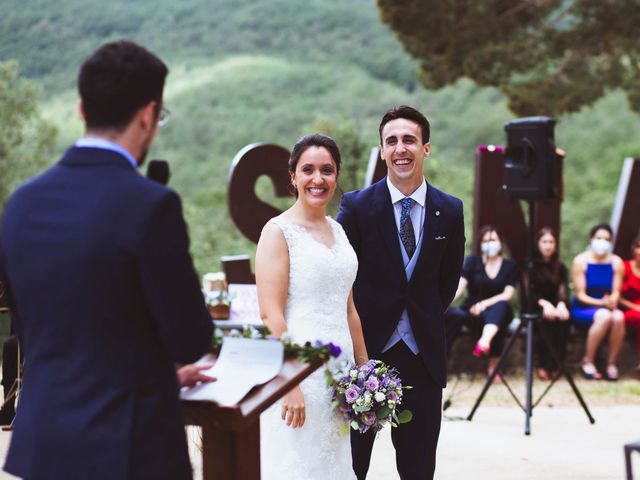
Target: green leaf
[[405, 416], [384, 412]]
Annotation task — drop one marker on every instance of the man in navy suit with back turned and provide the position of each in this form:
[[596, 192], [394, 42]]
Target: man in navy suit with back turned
[[103, 292], [409, 238]]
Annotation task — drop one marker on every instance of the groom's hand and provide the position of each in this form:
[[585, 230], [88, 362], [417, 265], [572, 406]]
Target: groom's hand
[[293, 409]]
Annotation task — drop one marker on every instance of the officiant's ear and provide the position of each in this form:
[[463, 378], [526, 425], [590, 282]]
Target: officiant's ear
[[427, 149]]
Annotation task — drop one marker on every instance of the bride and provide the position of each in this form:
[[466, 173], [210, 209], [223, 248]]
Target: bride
[[305, 268]]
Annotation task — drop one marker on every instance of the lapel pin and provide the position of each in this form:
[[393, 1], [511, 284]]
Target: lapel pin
[[437, 212]]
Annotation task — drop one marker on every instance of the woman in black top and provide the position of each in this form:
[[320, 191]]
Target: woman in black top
[[550, 292], [490, 279]]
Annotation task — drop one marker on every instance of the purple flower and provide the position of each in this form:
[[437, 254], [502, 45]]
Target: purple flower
[[372, 384], [334, 350], [393, 396], [351, 394], [369, 418]]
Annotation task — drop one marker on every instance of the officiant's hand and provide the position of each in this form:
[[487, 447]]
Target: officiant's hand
[[293, 409], [190, 375]]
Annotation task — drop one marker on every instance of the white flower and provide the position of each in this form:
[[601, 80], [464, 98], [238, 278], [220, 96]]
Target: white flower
[[286, 337], [234, 333], [354, 425], [379, 396], [354, 374], [255, 334]]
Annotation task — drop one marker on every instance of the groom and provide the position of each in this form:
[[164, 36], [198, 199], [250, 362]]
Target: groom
[[409, 238]]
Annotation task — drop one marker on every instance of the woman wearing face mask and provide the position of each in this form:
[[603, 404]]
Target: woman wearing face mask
[[490, 279], [550, 293], [597, 277], [630, 299]]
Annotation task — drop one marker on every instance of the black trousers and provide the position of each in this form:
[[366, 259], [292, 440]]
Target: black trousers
[[414, 442], [498, 314], [557, 332]]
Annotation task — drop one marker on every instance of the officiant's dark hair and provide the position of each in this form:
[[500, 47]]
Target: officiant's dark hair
[[116, 81], [314, 140], [409, 113]]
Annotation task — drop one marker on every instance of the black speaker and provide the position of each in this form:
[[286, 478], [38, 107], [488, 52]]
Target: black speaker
[[531, 159]]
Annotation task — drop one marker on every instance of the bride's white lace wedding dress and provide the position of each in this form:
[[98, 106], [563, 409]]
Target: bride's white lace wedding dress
[[320, 279]]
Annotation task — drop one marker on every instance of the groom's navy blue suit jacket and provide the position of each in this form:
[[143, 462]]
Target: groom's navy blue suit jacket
[[381, 290], [105, 300]]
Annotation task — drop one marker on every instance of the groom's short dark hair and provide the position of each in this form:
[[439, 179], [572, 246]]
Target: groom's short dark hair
[[410, 113]]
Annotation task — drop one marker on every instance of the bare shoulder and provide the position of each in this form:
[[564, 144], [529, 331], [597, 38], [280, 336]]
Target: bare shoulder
[[272, 235], [580, 261], [618, 263]]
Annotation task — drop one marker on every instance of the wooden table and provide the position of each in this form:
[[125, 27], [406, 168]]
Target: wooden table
[[231, 435]]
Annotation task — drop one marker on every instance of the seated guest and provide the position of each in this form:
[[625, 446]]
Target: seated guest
[[490, 279], [630, 292], [9, 375], [9, 368], [550, 292], [597, 277]]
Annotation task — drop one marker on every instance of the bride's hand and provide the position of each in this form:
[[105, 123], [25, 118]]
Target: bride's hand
[[293, 410]]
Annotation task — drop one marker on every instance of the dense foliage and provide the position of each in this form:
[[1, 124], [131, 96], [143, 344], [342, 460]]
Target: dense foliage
[[26, 140], [246, 71], [547, 56]]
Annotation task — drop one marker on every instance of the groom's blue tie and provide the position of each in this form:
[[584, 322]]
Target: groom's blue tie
[[407, 235]]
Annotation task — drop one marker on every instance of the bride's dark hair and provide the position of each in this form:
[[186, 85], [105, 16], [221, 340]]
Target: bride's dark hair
[[314, 140]]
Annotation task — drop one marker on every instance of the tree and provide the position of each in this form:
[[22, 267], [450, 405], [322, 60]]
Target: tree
[[26, 140], [547, 56]]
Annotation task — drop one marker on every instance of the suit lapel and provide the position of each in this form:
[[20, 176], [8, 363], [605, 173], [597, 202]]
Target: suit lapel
[[383, 216], [432, 215]]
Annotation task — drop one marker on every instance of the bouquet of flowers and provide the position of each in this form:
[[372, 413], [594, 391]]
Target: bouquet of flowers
[[367, 397]]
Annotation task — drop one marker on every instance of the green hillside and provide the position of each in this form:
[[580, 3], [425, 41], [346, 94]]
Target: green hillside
[[272, 70]]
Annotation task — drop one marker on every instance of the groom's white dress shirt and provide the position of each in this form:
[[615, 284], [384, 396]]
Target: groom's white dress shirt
[[403, 329]]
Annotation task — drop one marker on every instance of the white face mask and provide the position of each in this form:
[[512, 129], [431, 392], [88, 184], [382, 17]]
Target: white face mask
[[600, 246], [491, 248]]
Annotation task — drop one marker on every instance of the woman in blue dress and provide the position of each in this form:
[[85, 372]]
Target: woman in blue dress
[[597, 277]]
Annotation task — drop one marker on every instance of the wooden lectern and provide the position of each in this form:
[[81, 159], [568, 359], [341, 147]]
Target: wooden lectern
[[231, 435]]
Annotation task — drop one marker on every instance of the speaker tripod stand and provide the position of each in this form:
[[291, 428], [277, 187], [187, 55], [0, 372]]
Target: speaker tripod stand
[[530, 319]]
